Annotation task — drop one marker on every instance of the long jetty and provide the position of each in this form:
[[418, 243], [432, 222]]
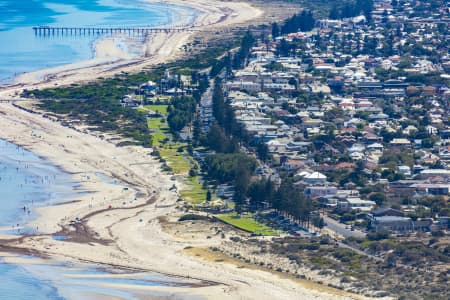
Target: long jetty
[[52, 31]]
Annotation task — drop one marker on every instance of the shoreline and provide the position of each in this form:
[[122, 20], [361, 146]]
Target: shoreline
[[157, 48], [121, 223], [176, 16]]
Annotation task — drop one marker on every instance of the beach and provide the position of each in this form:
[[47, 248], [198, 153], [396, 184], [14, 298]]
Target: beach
[[119, 222]]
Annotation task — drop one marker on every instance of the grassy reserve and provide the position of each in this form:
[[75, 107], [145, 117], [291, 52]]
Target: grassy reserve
[[157, 108], [246, 222], [194, 192], [174, 154]]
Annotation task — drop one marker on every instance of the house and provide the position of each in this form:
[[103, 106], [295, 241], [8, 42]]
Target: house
[[387, 211], [293, 164], [432, 189], [405, 170], [225, 191], [445, 155], [370, 138], [392, 223], [175, 92], [356, 203], [400, 143], [320, 191], [315, 178], [376, 147], [434, 172], [443, 223], [401, 189], [130, 101]]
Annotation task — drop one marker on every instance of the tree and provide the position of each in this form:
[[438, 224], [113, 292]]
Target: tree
[[275, 30], [283, 48], [334, 12], [304, 22], [240, 57], [262, 150], [318, 222], [378, 198], [181, 112], [260, 193]]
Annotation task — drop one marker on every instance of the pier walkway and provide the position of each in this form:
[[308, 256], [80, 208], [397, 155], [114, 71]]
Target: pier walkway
[[55, 31]]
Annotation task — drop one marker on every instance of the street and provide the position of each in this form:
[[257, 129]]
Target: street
[[341, 229]]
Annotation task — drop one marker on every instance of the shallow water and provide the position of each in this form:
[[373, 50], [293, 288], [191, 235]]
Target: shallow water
[[17, 283], [27, 182], [42, 279], [22, 51]]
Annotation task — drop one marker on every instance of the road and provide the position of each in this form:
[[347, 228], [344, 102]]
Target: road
[[206, 114], [341, 229]]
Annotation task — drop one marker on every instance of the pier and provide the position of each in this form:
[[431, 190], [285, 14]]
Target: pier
[[73, 31]]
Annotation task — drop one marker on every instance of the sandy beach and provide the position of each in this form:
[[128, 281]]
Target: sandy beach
[[120, 223]]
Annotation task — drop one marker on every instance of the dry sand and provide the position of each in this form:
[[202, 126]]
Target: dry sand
[[120, 222]]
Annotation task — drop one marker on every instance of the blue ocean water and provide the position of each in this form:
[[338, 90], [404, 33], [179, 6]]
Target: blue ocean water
[[21, 51], [55, 280], [17, 283]]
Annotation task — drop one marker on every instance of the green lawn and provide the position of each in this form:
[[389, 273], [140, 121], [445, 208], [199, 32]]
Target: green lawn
[[194, 192], [159, 108], [159, 131], [175, 159], [246, 222], [157, 138], [162, 98], [156, 123]]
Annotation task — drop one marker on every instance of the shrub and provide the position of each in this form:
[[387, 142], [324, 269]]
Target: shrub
[[192, 217], [378, 235]]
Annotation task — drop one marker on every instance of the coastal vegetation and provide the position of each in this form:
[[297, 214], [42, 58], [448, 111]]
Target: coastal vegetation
[[400, 272], [103, 115]]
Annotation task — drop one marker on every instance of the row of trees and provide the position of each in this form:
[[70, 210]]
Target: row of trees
[[181, 112], [237, 60], [351, 9], [299, 22], [286, 198], [230, 165], [183, 109], [233, 167]]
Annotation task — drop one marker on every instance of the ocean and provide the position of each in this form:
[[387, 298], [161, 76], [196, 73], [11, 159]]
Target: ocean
[[22, 51]]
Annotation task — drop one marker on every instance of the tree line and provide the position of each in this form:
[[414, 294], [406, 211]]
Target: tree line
[[303, 21], [351, 9], [230, 165], [182, 110]]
